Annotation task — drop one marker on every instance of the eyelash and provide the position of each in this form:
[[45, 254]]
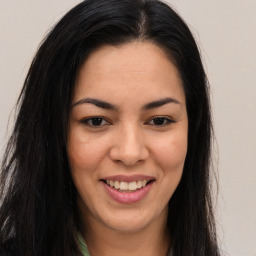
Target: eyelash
[[89, 121], [162, 118]]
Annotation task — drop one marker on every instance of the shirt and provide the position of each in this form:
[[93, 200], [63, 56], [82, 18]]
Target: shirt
[[85, 251]]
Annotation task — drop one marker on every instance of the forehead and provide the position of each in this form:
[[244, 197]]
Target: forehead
[[132, 68], [129, 57]]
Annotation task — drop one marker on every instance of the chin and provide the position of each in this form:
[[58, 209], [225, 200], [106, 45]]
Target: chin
[[129, 220], [127, 225]]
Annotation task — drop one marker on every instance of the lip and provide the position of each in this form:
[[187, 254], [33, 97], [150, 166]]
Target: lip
[[128, 178], [127, 197]]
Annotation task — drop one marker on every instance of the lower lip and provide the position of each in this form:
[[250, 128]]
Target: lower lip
[[127, 198]]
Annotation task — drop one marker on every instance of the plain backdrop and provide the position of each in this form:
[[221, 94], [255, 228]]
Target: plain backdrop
[[225, 32]]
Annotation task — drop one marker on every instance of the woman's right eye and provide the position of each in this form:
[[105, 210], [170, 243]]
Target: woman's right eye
[[96, 122]]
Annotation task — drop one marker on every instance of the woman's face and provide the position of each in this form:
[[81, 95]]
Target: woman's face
[[127, 136]]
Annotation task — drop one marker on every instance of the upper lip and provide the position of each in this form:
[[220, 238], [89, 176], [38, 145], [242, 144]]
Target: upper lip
[[128, 178]]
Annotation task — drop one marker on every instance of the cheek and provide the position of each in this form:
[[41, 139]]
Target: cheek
[[84, 152], [170, 153], [170, 157]]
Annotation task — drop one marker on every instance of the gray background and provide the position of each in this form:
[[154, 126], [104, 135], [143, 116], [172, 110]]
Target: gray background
[[225, 31]]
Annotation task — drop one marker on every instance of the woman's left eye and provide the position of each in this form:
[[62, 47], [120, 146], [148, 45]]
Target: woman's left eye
[[160, 121], [95, 121]]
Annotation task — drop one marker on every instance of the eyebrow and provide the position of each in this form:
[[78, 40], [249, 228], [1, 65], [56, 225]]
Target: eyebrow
[[96, 102], [159, 103], [109, 106]]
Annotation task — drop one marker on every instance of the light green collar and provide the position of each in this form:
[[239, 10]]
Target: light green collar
[[82, 244], [85, 251]]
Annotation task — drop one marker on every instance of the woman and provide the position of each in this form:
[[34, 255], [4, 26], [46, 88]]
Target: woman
[[111, 148]]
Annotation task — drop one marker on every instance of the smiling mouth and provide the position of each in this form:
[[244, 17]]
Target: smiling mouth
[[128, 187]]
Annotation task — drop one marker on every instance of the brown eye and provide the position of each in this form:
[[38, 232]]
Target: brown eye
[[95, 122], [160, 121]]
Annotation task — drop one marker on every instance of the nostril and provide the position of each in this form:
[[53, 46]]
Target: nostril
[[129, 153]]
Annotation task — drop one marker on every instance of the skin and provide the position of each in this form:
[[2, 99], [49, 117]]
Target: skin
[[128, 141]]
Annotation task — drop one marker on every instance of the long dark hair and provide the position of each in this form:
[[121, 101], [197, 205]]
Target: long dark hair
[[38, 213]]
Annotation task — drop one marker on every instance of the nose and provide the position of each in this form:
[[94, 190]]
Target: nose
[[129, 146]]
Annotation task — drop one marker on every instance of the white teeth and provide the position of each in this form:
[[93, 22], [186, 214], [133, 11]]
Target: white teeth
[[133, 185], [116, 184], [122, 185], [139, 184]]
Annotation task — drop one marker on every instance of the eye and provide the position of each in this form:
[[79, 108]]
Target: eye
[[160, 121], [95, 121]]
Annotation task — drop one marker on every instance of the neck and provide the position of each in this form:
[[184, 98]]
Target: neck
[[104, 241]]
